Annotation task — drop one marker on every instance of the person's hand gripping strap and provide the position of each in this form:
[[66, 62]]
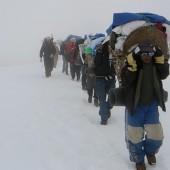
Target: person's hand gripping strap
[[132, 63]]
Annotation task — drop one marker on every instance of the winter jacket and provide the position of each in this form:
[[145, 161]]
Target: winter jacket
[[47, 49], [132, 83], [103, 66], [75, 56], [90, 65], [63, 49]]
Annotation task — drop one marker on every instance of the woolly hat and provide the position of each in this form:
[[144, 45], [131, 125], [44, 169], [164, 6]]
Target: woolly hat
[[73, 40], [88, 50], [146, 45]]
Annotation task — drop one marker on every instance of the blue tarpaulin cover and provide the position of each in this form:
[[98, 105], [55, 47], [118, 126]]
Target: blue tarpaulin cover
[[126, 17], [95, 43], [98, 35], [73, 36]]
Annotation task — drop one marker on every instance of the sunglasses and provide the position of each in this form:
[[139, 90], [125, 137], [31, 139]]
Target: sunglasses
[[151, 54]]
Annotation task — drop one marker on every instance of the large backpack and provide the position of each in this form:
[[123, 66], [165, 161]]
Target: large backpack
[[132, 40]]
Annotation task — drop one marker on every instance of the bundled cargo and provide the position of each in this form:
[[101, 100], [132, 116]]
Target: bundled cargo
[[158, 38], [128, 29]]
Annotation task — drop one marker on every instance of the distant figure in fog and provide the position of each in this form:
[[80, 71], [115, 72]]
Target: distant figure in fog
[[56, 55], [48, 51], [63, 53], [75, 62]]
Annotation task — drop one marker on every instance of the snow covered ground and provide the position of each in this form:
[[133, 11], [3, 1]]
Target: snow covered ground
[[47, 124]]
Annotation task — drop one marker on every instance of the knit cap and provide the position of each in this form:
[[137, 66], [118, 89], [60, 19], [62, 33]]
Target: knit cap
[[146, 45]]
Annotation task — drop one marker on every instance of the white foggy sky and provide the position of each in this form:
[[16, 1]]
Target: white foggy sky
[[24, 23]]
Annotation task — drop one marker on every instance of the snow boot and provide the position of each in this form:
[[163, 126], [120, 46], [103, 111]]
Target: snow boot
[[103, 122], [109, 114], [96, 102], [140, 166], [89, 99], [83, 88], [151, 159]]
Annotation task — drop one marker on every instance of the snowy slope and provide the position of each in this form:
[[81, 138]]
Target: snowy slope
[[47, 124]]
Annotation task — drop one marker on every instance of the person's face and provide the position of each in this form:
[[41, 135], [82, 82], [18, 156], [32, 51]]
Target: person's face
[[146, 57]]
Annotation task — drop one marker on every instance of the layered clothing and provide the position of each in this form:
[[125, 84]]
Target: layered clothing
[[143, 94], [65, 61], [90, 75], [105, 80], [48, 51], [132, 83], [75, 63]]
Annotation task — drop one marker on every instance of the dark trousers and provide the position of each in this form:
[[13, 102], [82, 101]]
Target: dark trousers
[[102, 88], [83, 76], [48, 64], [75, 71], [83, 80], [65, 65], [92, 93], [91, 86]]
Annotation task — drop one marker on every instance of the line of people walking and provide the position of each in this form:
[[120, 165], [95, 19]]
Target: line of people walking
[[141, 77], [96, 72]]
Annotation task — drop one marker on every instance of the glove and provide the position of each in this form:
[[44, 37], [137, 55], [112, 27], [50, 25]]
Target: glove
[[132, 63], [159, 57]]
